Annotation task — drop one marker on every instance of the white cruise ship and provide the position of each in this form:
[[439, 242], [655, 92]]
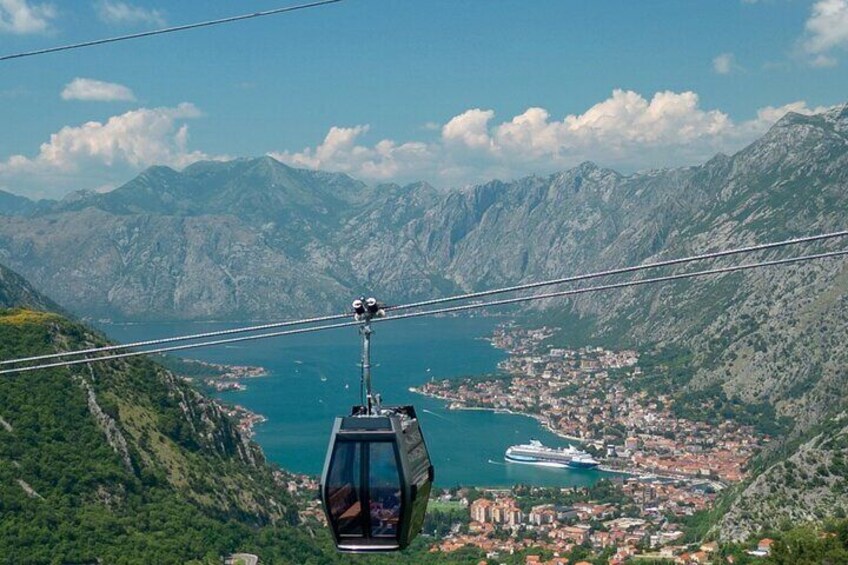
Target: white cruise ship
[[534, 453]]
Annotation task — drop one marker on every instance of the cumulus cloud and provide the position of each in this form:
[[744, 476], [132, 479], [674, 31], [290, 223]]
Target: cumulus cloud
[[124, 13], [20, 17], [470, 128], [626, 130], [826, 31], [96, 154], [384, 161], [95, 90], [724, 64], [770, 114]]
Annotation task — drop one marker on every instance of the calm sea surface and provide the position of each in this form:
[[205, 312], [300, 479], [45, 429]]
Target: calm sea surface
[[315, 377]]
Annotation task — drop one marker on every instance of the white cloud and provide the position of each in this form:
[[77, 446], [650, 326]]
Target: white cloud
[[385, 161], [724, 64], [769, 115], [20, 17], [627, 131], [124, 13], [470, 128], [96, 90], [96, 153], [826, 30]]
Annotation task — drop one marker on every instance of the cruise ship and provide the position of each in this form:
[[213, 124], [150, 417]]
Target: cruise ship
[[534, 453]]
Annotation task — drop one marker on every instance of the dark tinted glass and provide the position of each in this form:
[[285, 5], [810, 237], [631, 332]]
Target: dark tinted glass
[[343, 496], [384, 489]]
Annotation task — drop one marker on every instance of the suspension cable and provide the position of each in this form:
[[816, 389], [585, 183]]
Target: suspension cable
[[180, 347], [191, 337], [168, 30], [446, 310], [622, 270], [468, 296]]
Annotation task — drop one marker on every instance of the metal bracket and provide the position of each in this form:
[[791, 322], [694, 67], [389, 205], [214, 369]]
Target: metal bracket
[[364, 310]]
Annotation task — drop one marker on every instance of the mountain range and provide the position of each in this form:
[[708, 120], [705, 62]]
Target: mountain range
[[255, 239]]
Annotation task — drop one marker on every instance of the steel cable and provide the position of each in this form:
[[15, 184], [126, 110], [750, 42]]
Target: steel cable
[[161, 31], [431, 302], [447, 310]]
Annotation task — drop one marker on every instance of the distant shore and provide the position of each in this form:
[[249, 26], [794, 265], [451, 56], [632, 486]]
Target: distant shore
[[455, 405], [633, 472]]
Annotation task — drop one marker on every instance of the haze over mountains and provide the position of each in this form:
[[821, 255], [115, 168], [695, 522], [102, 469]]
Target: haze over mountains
[[257, 239]]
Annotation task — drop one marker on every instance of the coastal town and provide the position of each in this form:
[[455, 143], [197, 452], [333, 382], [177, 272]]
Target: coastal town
[[584, 396], [503, 522], [245, 419], [228, 376], [664, 472], [222, 378], [612, 522], [216, 377], [668, 469]]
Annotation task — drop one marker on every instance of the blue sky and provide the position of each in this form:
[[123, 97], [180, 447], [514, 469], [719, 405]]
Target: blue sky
[[448, 91]]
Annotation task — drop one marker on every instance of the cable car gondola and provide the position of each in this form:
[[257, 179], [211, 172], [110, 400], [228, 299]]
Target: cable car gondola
[[377, 474]]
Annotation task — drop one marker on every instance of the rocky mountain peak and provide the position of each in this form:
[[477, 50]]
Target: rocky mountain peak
[[16, 292], [586, 168], [14, 205], [837, 113]]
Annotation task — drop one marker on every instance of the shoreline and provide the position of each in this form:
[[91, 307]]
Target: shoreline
[[644, 474], [540, 419]]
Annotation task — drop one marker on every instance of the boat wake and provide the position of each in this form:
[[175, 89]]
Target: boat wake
[[439, 416], [499, 463]]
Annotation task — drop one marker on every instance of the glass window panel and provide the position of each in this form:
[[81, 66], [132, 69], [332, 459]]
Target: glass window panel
[[344, 498], [384, 490]]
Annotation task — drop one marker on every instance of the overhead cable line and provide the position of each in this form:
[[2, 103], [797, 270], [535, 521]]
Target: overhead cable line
[[160, 31], [469, 296], [438, 311], [623, 270], [189, 337]]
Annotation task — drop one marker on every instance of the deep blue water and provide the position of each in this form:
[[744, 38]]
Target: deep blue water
[[315, 377]]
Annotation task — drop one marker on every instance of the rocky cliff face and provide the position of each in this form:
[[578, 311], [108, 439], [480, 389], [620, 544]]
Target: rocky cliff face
[[810, 485]]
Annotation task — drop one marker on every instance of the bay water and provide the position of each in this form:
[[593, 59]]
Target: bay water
[[313, 378]]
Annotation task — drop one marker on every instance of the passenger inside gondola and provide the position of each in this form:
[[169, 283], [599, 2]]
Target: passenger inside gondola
[[344, 495], [384, 490]]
